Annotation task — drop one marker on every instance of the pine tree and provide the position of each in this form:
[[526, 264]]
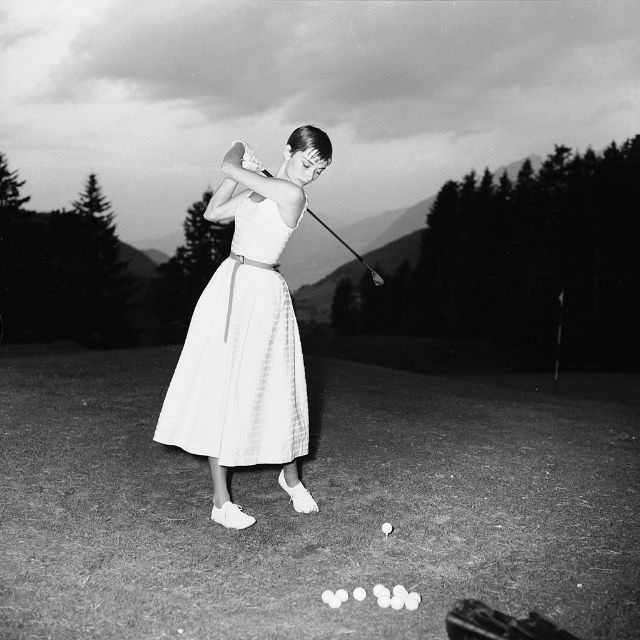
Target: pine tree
[[207, 244], [22, 271], [618, 267], [182, 279], [377, 314], [434, 288], [94, 287], [10, 199], [92, 204], [405, 319], [344, 308]]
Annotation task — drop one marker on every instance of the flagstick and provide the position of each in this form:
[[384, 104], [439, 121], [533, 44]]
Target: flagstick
[[555, 377]]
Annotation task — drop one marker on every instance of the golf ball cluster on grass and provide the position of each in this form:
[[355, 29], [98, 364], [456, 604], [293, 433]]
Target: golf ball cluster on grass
[[397, 598]]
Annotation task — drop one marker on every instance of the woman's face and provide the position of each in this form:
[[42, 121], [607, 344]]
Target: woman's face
[[305, 166]]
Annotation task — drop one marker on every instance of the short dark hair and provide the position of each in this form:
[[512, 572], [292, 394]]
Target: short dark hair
[[310, 137]]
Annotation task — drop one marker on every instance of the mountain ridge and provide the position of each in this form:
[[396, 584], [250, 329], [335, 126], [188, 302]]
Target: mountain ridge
[[399, 241], [312, 254]]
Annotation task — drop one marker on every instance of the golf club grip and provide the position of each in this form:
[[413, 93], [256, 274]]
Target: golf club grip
[[329, 229]]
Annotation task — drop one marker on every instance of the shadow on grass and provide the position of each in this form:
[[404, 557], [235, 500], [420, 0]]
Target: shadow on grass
[[413, 353]]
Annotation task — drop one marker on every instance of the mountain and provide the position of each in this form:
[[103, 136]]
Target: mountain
[[415, 217], [400, 239], [158, 257], [313, 252], [140, 264], [513, 168], [313, 302], [166, 244], [412, 219]]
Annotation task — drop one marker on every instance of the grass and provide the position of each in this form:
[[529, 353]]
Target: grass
[[498, 490]]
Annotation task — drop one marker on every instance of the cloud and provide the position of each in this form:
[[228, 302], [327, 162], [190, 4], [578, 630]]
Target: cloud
[[385, 69], [10, 35]]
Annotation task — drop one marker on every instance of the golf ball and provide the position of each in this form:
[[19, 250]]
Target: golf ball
[[387, 528], [359, 594], [342, 594], [400, 591], [412, 604], [384, 601], [415, 595], [326, 595], [335, 602], [377, 590], [397, 603]]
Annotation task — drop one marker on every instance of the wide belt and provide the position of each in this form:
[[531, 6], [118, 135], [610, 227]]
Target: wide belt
[[240, 260]]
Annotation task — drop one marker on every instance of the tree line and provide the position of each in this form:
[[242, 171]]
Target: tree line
[[506, 261], [495, 257], [62, 276]]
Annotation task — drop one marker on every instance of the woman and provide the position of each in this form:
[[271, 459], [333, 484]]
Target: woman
[[238, 394]]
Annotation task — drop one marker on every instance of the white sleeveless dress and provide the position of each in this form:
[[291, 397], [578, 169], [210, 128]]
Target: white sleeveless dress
[[243, 401]]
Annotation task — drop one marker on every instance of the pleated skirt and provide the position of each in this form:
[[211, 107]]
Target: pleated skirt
[[243, 401]]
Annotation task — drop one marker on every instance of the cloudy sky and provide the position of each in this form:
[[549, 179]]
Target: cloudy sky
[[149, 94]]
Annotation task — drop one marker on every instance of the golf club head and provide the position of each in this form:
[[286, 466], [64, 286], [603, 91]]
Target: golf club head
[[377, 278]]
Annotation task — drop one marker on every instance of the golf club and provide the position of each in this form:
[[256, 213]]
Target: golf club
[[377, 278]]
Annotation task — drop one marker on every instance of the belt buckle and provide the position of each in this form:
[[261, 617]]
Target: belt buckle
[[241, 259]]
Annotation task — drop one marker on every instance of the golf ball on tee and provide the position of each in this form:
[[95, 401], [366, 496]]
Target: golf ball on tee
[[387, 528], [342, 594], [335, 602], [326, 595], [359, 594]]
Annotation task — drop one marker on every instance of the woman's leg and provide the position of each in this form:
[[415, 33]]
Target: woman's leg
[[291, 473], [219, 477], [289, 480], [232, 516]]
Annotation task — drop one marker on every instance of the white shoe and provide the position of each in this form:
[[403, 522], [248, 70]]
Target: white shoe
[[302, 500], [230, 515]]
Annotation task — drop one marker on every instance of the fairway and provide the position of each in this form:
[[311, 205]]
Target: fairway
[[497, 489]]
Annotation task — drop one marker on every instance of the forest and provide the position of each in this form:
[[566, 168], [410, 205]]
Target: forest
[[501, 261], [508, 262]]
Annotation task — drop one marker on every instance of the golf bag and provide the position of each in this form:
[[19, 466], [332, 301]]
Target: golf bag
[[473, 620]]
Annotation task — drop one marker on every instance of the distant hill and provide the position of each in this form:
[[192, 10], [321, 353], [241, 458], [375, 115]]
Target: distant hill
[[313, 302], [391, 236], [143, 269], [513, 168], [166, 244], [140, 264], [313, 253], [158, 257], [413, 218]]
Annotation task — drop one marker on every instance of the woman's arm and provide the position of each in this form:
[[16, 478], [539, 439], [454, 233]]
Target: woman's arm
[[287, 195], [222, 205]]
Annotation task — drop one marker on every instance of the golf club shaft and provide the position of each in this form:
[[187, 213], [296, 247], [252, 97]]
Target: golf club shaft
[[331, 231]]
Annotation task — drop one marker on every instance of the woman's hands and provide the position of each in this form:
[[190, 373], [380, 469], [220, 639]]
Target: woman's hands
[[250, 161], [234, 156], [241, 155], [241, 166]]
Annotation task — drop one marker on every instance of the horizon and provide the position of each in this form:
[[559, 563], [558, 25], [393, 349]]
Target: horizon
[[148, 98]]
